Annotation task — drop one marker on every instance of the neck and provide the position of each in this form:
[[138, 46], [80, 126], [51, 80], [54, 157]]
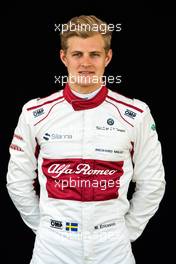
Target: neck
[[85, 89]]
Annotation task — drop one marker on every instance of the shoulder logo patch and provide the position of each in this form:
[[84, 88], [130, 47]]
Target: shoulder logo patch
[[130, 113], [38, 112], [153, 127]]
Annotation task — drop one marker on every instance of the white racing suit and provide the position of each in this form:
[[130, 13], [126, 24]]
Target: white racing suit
[[85, 153]]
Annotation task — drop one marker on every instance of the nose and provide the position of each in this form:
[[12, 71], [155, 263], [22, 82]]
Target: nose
[[86, 61]]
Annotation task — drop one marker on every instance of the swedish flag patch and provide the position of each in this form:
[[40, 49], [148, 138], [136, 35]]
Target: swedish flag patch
[[71, 227]]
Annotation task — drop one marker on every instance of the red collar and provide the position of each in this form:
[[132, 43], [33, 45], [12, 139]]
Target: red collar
[[83, 104]]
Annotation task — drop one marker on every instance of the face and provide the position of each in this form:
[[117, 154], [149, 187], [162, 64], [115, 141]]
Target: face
[[85, 60]]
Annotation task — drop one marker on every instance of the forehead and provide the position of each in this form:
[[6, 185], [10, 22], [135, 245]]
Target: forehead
[[93, 43]]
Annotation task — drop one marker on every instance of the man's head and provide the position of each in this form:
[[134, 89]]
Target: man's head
[[85, 51], [84, 27]]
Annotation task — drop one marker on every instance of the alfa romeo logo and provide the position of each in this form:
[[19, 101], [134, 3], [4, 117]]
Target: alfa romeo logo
[[110, 121]]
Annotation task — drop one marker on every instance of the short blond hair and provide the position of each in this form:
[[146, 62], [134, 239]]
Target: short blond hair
[[84, 27]]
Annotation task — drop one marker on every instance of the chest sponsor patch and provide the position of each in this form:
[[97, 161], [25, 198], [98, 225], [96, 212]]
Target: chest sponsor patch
[[82, 179]]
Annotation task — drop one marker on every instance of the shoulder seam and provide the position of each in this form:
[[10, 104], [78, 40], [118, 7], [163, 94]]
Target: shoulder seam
[[126, 104], [47, 102]]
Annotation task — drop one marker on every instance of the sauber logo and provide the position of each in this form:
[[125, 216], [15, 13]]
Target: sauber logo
[[58, 169]]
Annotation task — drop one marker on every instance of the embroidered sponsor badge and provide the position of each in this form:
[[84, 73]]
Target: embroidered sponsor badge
[[38, 112]]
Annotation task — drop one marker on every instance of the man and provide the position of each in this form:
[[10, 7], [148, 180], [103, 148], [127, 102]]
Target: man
[[85, 144]]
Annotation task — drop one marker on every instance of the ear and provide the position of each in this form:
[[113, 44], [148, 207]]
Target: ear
[[63, 57], [108, 57]]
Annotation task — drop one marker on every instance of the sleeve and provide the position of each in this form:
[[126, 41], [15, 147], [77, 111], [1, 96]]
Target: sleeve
[[21, 175], [148, 176]]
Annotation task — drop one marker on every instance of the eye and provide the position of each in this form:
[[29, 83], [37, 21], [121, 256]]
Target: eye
[[95, 55], [78, 54]]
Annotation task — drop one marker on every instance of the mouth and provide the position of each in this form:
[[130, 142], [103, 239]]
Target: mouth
[[86, 73]]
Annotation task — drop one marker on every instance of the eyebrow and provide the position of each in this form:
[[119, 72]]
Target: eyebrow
[[79, 51]]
